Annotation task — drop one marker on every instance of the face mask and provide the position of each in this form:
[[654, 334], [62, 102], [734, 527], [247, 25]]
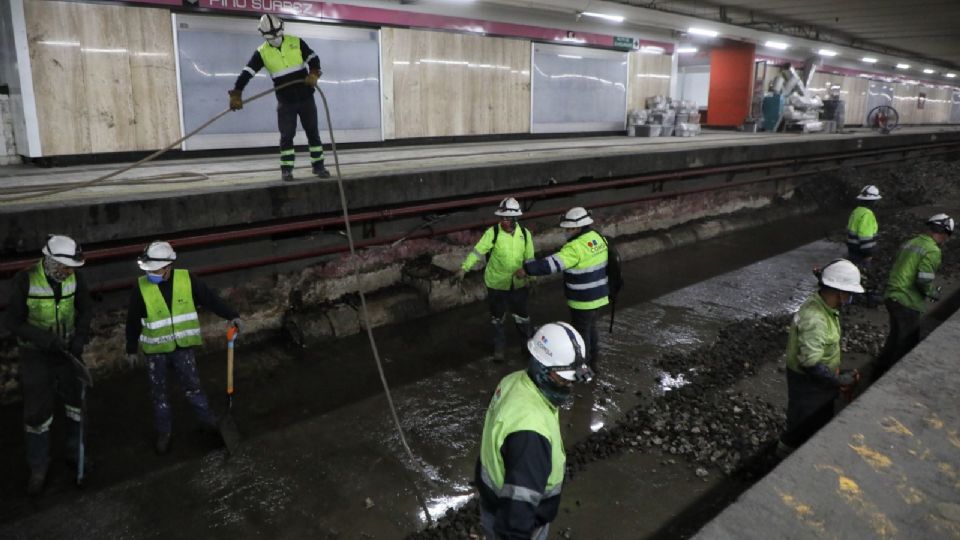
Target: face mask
[[54, 270], [156, 279], [555, 393], [275, 41]]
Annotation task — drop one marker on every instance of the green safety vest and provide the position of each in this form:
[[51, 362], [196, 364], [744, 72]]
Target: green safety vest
[[911, 279], [163, 331], [43, 311], [584, 264], [282, 60], [508, 252], [862, 229], [814, 336], [518, 405]]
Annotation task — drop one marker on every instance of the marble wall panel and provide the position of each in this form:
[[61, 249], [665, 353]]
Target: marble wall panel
[[649, 75], [104, 77], [447, 84]]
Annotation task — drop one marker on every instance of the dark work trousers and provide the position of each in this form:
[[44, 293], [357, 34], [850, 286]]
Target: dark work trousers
[[585, 321], [809, 407], [904, 335], [43, 376], [516, 302], [183, 364], [287, 113]]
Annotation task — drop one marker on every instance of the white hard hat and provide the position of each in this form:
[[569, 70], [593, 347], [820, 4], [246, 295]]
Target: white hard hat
[[869, 193], [157, 255], [509, 207], [271, 28], [64, 250], [559, 345], [577, 216], [942, 222], [842, 275]]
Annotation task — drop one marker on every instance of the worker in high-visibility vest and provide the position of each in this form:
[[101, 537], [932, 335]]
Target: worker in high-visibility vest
[[521, 466], [862, 228], [49, 312], [162, 322], [287, 58]]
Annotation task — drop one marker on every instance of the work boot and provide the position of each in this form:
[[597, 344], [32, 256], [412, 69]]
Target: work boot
[[320, 170], [287, 175], [38, 477], [163, 444]]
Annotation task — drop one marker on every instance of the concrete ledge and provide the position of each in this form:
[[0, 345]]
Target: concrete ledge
[[886, 467]]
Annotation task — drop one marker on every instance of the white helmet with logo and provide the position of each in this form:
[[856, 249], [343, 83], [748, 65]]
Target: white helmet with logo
[[942, 222], [869, 193], [577, 216], [271, 28], [509, 207], [64, 250], [157, 255], [559, 347], [842, 275]]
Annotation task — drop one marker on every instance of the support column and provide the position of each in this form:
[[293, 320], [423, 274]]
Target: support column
[[731, 84]]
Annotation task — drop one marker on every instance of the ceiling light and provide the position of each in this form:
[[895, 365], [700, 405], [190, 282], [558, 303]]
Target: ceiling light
[[572, 56], [903, 66], [869, 60], [652, 49], [951, 75], [779, 45], [929, 71], [827, 52], [686, 50], [611, 18], [702, 32]]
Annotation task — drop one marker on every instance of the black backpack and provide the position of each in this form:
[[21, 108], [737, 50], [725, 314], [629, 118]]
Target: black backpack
[[614, 271], [496, 232]]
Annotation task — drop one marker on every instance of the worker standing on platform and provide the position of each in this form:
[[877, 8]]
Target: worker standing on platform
[[509, 245], [909, 286], [521, 466], [49, 312], [814, 378], [862, 228], [583, 261], [288, 59], [162, 318]]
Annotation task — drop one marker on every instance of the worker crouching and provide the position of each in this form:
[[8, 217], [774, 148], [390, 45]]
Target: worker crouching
[[814, 378], [522, 462]]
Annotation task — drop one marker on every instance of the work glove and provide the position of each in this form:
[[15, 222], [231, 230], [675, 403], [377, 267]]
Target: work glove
[[520, 273], [848, 383], [236, 101], [238, 323], [934, 294], [134, 360], [312, 78]]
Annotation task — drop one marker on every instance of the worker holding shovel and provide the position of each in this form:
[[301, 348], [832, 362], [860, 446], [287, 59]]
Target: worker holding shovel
[[162, 319]]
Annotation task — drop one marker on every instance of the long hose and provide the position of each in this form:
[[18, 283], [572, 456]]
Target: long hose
[[353, 253]]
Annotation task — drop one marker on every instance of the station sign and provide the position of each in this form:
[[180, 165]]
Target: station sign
[[624, 42]]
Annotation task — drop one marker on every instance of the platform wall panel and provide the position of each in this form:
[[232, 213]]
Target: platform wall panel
[[104, 77], [649, 76], [448, 84]]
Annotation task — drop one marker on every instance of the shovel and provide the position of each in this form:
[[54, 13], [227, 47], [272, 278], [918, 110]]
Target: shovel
[[228, 428]]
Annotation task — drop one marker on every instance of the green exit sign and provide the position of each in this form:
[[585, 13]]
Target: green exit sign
[[624, 42]]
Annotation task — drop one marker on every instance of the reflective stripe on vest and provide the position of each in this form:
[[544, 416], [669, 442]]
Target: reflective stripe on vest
[[282, 60], [43, 311], [163, 331], [518, 405]]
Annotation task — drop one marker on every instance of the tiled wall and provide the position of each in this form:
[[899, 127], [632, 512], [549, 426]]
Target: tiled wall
[[104, 77], [649, 76], [439, 84], [853, 90]]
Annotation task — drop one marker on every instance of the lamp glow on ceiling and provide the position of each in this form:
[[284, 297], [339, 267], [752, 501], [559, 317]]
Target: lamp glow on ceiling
[[779, 45], [868, 60], [702, 32], [929, 71], [604, 16], [686, 50], [903, 66], [951, 75], [827, 52]]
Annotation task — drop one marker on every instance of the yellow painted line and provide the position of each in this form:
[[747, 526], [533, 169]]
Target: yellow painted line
[[803, 511], [875, 459], [892, 425], [849, 490]]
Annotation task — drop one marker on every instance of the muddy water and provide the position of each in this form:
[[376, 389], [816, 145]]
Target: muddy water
[[320, 455]]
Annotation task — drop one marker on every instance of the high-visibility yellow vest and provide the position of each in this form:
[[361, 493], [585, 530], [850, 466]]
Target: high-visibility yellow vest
[[164, 329], [43, 311], [282, 60]]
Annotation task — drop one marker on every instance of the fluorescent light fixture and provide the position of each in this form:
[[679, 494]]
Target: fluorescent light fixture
[[951, 75], [574, 57], [903, 66], [604, 16], [827, 52], [929, 71], [869, 60], [652, 49], [779, 45], [702, 32], [686, 50]]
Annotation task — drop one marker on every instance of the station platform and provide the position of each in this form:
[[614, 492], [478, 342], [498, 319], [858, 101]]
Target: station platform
[[166, 197]]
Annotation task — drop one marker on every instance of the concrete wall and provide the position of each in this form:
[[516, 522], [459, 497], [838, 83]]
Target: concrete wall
[[8, 144]]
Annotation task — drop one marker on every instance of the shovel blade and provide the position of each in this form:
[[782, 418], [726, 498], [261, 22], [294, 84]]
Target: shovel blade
[[230, 434]]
